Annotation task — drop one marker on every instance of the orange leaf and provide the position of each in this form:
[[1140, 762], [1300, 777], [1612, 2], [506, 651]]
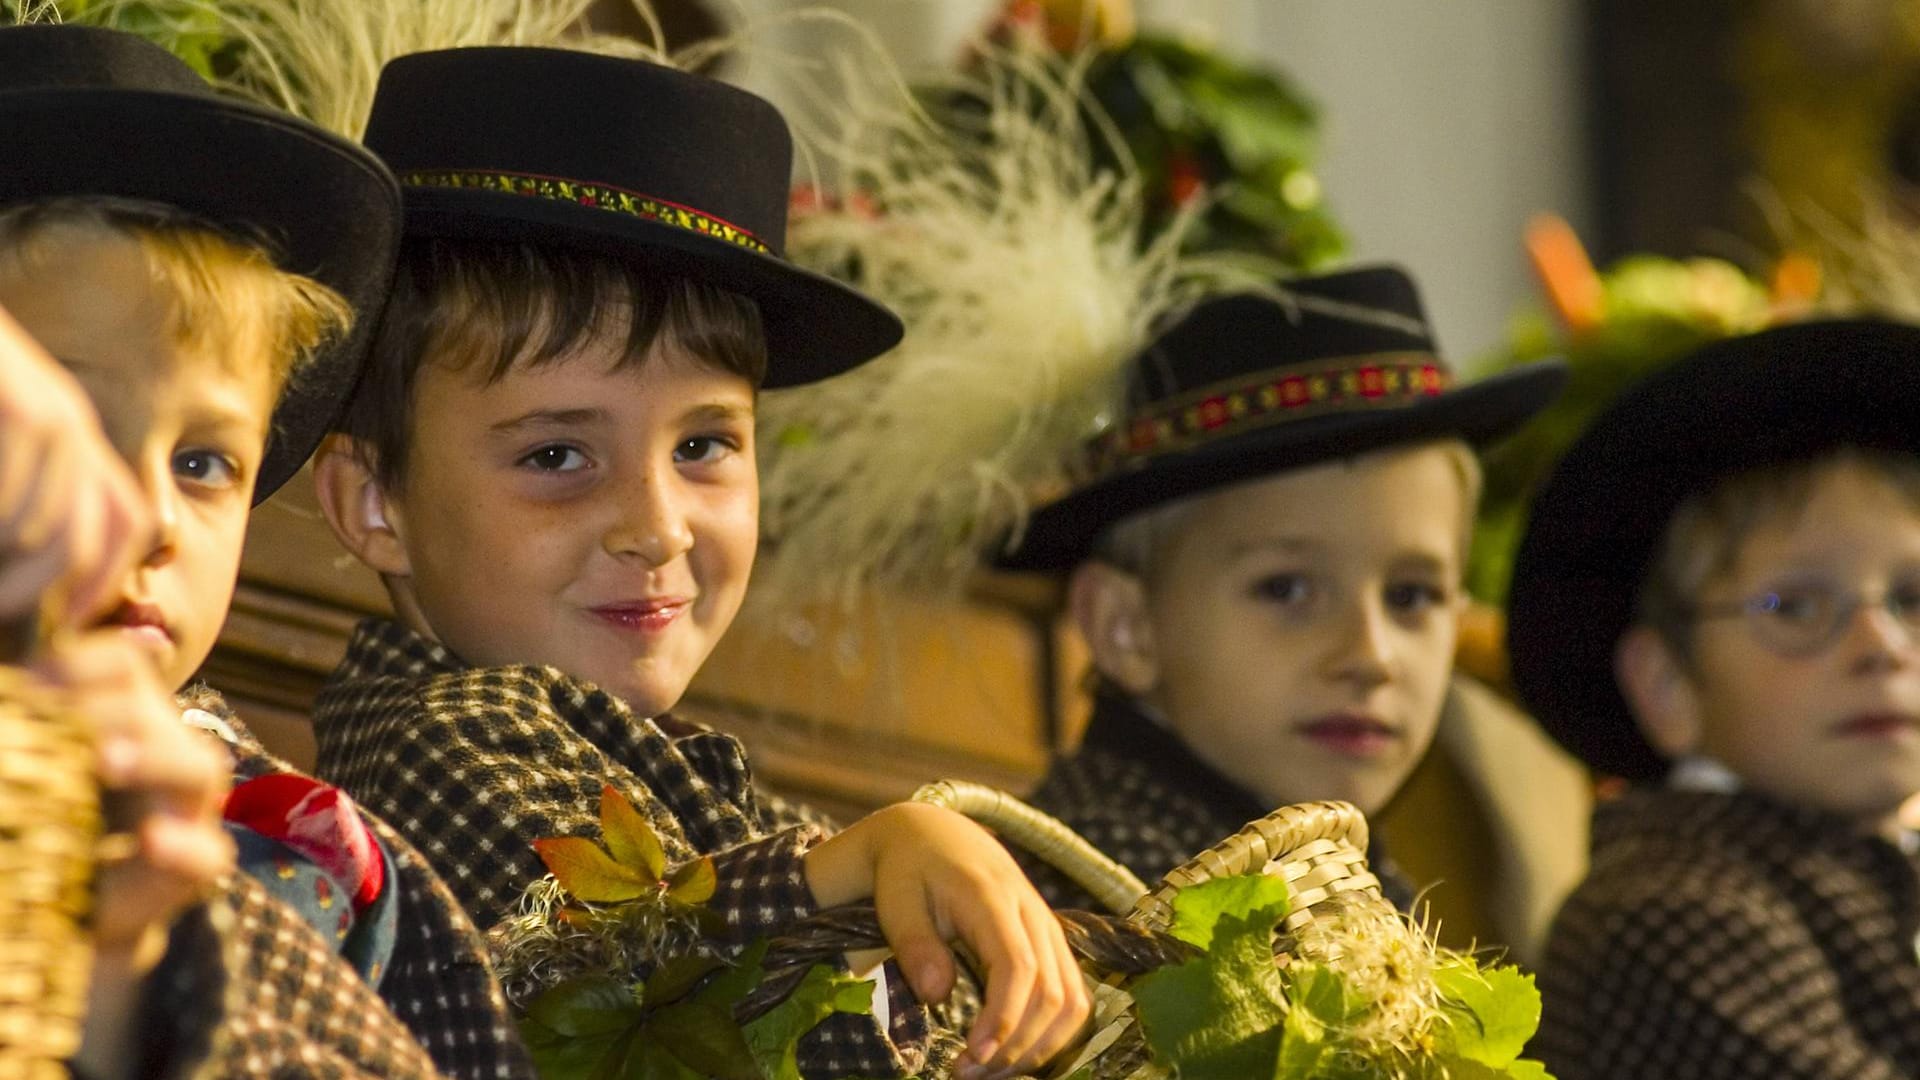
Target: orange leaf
[[629, 836], [587, 872], [1566, 273], [1795, 285], [693, 882]]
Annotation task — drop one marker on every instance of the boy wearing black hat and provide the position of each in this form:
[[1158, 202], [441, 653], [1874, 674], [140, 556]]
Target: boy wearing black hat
[[1718, 599], [551, 466], [203, 302], [1265, 564]]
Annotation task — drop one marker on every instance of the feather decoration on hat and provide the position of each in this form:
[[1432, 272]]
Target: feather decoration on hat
[[321, 60], [974, 211]]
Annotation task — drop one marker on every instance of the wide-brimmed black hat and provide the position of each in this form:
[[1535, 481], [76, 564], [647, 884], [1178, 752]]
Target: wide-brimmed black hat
[[92, 112], [1247, 385], [627, 159], [1596, 525]]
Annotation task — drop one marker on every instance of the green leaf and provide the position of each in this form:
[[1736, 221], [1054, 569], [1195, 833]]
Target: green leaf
[[1526, 1069], [593, 1005], [630, 836], [693, 882], [1198, 910], [1322, 993], [652, 1061], [823, 991], [1219, 1016], [1303, 1046], [705, 1038], [737, 981], [564, 1057], [588, 873], [671, 980], [1492, 1013]]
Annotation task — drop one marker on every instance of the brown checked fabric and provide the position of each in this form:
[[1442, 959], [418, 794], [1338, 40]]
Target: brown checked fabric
[[1726, 935], [474, 764], [438, 981]]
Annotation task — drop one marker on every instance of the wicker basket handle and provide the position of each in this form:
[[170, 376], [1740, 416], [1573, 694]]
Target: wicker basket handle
[[1043, 836], [1322, 844]]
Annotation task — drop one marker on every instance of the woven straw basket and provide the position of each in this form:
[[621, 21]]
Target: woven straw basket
[[1317, 848], [49, 826]]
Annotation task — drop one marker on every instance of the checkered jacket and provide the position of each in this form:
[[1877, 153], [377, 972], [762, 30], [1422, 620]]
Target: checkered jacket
[[249, 989], [438, 981], [1728, 935], [474, 764], [1137, 792]]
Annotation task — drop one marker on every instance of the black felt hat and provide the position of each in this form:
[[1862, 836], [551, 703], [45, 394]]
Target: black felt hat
[[1247, 385], [92, 112], [1781, 395], [624, 158]]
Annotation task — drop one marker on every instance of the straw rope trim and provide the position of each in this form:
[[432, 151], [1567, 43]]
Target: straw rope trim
[[590, 195]]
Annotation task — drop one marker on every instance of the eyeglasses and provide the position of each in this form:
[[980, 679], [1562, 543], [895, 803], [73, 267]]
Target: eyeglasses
[[1806, 617]]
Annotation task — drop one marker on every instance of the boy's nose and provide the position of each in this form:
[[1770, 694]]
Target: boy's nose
[[651, 524], [1879, 640], [163, 503], [1360, 647]]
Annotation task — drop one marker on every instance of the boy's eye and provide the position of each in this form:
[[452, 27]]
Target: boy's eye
[[1797, 604], [1903, 599], [1415, 596], [703, 449], [1285, 589], [557, 458], [206, 468]]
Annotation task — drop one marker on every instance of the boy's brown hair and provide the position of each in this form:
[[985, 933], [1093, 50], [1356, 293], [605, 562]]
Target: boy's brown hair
[[222, 287], [1705, 535], [505, 304]]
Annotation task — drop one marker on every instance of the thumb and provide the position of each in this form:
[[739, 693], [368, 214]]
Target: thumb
[[906, 920]]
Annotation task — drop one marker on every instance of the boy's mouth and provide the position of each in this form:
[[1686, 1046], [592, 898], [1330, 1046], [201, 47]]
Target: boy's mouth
[[644, 616], [1875, 725], [144, 622], [1350, 734]]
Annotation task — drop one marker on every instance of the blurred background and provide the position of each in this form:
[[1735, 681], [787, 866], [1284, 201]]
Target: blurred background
[[1704, 168]]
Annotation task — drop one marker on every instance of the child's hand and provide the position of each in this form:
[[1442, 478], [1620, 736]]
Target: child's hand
[[936, 877], [167, 783], [69, 510]]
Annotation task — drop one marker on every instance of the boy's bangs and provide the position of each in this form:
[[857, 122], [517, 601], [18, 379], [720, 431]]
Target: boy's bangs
[[222, 289], [508, 305]]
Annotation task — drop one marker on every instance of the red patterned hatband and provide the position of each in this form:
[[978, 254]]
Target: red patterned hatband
[[594, 196], [1276, 396]]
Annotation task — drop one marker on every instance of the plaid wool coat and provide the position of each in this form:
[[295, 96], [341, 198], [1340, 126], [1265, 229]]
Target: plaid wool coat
[[474, 764], [1138, 793], [1728, 935]]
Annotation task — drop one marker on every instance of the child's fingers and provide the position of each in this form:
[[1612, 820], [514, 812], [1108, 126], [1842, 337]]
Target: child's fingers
[[1066, 990], [122, 535], [907, 921], [996, 933], [1033, 1039], [25, 578]]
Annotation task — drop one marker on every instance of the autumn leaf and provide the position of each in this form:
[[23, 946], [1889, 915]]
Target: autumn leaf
[[589, 873], [692, 882], [629, 836]]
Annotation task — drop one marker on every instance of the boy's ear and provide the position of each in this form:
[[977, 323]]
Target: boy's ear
[[1658, 688], [1109, 606], [357, 507]]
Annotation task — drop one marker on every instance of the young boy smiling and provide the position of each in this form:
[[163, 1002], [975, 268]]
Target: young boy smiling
[[551, 466], [1265, 565], [1718, 599]]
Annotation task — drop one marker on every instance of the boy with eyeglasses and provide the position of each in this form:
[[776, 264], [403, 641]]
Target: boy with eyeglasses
[[1718, 600]]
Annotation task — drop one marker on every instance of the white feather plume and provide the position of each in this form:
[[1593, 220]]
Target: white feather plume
[[1018, 268]]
